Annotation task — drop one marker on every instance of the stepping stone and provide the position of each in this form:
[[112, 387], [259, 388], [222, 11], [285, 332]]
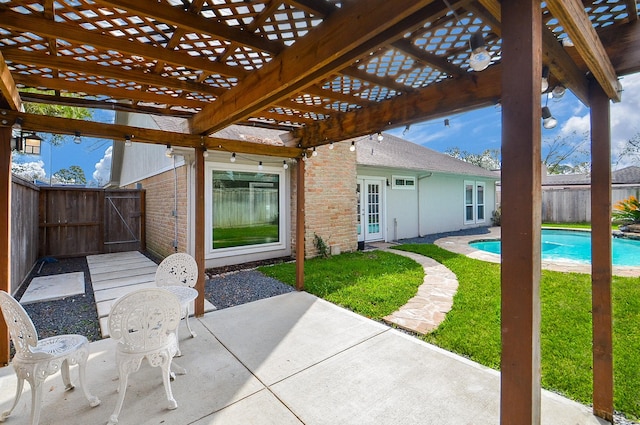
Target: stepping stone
[[54, 287]]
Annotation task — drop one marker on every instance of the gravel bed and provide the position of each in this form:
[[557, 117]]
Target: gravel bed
[[240, 287]]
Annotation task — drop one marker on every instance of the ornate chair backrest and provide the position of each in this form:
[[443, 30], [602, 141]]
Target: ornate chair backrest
[[178, 269], [23, 332], [143, 320]]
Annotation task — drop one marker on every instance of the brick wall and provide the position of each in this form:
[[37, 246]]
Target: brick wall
[[330, 199], [160, 222]]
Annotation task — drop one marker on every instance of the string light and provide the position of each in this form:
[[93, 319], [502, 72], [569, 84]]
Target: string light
[[380, 137], [352, 148], [331, 145], [406, 129], [285, 165], [205, 153], [260, 166], [314, 153], [169, 151], [127, 140], [76, 139], [233, 157]]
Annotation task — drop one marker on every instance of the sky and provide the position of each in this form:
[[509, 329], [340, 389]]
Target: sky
[[474, 132]]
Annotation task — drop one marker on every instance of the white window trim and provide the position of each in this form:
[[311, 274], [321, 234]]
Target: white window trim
[[250, 249], [403, 187], [484, 201]]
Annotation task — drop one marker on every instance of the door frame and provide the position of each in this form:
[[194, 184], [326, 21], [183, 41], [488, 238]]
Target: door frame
[[362, 203]]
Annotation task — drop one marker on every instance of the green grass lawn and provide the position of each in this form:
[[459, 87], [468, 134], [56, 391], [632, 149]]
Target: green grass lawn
[[377, 283]]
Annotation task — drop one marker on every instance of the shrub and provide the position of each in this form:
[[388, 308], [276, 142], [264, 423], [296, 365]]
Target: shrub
[[321, 246], [627, 211], [496, 216]]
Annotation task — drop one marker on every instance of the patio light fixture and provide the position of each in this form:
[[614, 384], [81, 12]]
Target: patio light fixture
[[380, 137], [352, 148], [314, 152], [284, 164], [233, 157], [480, 57], [548, 121], [127, 140], [205, 153], [76, 139], [169, 151], [331, 145], [31, 144], [260, 166], [558, 91], [544, 84]]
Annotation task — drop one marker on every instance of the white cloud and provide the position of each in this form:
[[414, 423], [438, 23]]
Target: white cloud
[[29, 170], [102, 174]]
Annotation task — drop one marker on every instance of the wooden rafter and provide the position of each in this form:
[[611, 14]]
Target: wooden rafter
[[444, 99], [102, 90], [20, 22], [574, 19], [338, 42], [89, 68], [632, 9], [69, 126], [8, 87]]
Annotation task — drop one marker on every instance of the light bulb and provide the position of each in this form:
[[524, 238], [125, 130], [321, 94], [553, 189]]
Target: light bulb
[[548, 121], [233, 157], [285, 165], [480, 56], [380, 137], [169, 151], [331, 145], [352, 148], [314, 153], [76, 139], [260, 166], [205, 153], [127, 140], [544, 84], [558, 91]]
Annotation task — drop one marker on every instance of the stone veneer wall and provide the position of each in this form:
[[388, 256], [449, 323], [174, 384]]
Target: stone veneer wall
[[160, 222], [330, 199]]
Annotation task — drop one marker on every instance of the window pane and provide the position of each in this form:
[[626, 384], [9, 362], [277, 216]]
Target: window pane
[[469, 213], [480, 212], [480, 194], [245, 208], [468, 194]]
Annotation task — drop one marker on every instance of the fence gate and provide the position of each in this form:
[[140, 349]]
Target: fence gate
[[79, 221]]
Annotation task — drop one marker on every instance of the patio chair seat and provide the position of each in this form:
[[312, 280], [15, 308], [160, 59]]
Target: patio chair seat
[[35, 360], [144, 324]]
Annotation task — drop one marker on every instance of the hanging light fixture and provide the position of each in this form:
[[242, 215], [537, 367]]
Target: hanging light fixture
[[284, 164], [544, 84], [233, 157], [380, 137], [480, 57], [169, 151], [548, 121], [260, 166], [331, 145], [76, 139], [205, 153], [32, 144], [17, 125], [352, 148], [127, 140], [558, 91], [314, 152], [446, 122]]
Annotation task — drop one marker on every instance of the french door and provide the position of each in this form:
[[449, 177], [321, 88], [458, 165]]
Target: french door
[[370, 209]]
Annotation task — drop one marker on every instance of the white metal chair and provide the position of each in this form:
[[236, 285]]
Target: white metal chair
[[35, 359], [176, 272], [144, 324]]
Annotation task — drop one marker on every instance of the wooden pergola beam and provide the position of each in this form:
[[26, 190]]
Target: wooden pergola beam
[[57, 125], [470, 91], [575, 21], [101, 90], [48, 28], [93, 68], [623, 47], [8, 88], [337, 42]]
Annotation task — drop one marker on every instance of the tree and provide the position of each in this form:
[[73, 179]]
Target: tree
[[489, 158], [29, 170], [567, 154], [631, 150], [74, 175]]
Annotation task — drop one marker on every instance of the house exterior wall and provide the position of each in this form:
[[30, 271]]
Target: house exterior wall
[[442, 203], [330, 199]]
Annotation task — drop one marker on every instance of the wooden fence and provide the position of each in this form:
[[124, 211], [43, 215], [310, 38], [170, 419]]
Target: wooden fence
[[24, 229], [80, 221], [574, 205]]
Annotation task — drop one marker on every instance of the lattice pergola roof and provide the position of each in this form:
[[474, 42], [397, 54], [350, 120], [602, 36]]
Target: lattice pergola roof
[[324, 70]]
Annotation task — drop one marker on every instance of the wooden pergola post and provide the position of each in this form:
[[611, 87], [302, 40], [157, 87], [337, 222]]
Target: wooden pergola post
[[199, 231], [601, 268], [521, 212], [5, 232], [300, 224]]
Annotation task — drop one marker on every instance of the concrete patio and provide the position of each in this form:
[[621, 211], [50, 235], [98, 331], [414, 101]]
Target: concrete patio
[[291, 359]]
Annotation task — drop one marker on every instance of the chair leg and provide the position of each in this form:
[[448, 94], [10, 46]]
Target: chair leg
[[82, 371], [186, 318], [19, 387], [36, 400], [166, 372], [122, 389], [66, 378]]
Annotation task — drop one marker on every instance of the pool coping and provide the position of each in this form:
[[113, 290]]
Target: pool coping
[[460, 245]]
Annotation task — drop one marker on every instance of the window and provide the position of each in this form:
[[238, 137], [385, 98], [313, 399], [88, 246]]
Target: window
[[474, 202], [403, 182], [245, 208]]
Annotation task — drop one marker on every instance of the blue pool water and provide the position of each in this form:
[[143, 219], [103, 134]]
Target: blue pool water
[[568, 245]]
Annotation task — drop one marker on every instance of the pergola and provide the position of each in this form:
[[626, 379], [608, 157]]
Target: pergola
[[329, 70]]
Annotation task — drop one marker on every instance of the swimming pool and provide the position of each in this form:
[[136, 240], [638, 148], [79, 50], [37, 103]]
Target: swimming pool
[[575, 246]]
